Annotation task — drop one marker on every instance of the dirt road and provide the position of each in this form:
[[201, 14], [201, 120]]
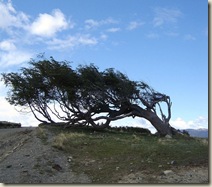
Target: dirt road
[[24, 158]]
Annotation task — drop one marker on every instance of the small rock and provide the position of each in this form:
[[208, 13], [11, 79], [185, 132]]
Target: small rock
[[173, 162], [57, 167], [160, 166], [168, 136], [9, 166], [168, 172], [86, 164], [70, 158], [22, 166], [117, 168]]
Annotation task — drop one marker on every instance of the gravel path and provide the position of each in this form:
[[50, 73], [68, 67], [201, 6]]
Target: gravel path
[[24, 158], [187, 175]]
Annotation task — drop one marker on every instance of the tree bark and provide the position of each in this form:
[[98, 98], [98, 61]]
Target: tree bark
[[162, 127]]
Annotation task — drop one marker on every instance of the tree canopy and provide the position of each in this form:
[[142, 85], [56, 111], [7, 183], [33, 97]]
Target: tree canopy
[[54, 91]]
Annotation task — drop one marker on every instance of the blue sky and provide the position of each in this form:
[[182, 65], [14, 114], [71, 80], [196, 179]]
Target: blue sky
[[161, 42]]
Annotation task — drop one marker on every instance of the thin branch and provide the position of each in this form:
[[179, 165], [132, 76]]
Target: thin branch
[[113, 118]]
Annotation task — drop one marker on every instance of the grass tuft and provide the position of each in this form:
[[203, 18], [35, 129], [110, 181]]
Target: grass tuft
[[41, 133]]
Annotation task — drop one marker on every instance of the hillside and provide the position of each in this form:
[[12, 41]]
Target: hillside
[[201, 133], [55, 155]]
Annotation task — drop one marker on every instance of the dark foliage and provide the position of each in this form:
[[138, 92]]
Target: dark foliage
[[54, 91]]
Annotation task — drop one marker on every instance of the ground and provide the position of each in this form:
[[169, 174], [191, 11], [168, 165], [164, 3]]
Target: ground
[[27, 156]]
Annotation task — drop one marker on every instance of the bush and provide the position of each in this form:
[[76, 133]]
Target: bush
[[6, 124]]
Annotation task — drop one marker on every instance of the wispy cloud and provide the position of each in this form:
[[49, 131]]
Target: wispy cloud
[[134, 25], [23, 31], [7, 45], [114, 29], [172, 34], [12, 18], [10, 55], [91, 23], [72, 42], [189, 37], [103, 37], [152, 35], [14, 57], [165, 16]]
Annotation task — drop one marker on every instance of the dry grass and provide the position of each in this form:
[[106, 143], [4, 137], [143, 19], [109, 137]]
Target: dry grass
[[62, 140], [41, 133], [107, 155]]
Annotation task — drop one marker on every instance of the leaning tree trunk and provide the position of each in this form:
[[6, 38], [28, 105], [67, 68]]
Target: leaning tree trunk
[[162, 127]]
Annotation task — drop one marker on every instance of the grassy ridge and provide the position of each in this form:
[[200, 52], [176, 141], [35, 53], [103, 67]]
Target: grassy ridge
[[107, 155]]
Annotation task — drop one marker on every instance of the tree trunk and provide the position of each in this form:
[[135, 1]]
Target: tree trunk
[[162, 127]]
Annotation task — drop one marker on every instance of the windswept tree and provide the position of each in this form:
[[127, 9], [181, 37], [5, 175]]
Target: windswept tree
[[54, 92]]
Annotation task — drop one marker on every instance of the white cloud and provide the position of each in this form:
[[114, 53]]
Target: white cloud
[[14, 57], [179, 123], [3, 89], [134, 25], [9, 113], [189, 37], [165, 15], [9, 17], [7, 45], [47, 25], [72, 41], [134, 122], [114, 29], [200, 122]]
